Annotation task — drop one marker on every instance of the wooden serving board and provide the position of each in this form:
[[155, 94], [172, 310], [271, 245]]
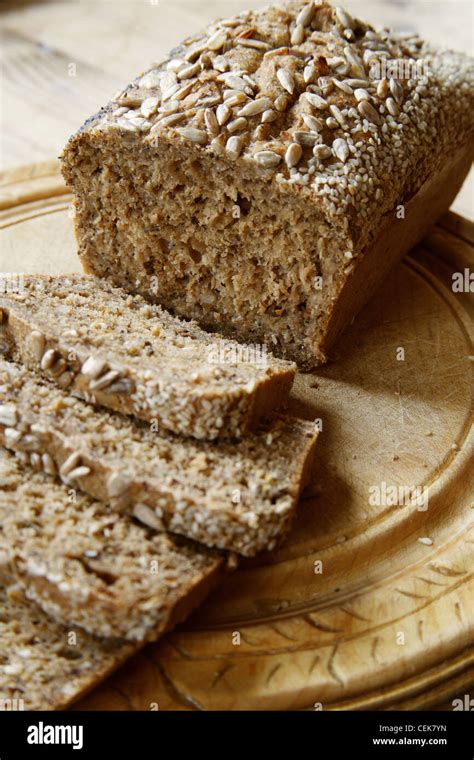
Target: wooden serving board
[[354, 611]]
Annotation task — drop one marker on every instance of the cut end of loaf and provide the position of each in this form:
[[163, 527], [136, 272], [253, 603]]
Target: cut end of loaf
[[208, 241]]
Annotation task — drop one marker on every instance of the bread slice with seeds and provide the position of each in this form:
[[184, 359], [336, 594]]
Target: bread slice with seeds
[[43, 667], [233, 495], [118, 351], [267, 175], [88, 566]]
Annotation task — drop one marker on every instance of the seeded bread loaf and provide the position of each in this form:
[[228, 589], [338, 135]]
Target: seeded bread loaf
[[119, 351], [239, 496], [89, 566], [253, 180], [42, 665]]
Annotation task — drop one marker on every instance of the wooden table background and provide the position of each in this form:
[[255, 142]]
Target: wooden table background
[[62, 60]]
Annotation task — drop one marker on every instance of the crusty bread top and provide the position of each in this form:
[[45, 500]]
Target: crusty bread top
[[298, 90]]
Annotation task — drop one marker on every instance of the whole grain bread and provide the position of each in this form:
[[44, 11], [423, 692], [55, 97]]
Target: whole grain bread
[[116, 350], [233, 495], [88, 566], [43, 666], [271, 170]]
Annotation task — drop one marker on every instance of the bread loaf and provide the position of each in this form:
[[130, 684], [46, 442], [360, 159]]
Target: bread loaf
[[265, 177], [232, 495], [88, 566], [119, 351]]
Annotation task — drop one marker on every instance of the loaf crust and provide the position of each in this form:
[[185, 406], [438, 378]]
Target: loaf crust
[[121, 352], [238, 495], [285, 116], [88, 566]]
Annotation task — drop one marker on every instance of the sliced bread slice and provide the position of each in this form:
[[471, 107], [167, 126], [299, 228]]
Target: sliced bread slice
[[121, 352], [233, 495], [43, 666], [89, 566]]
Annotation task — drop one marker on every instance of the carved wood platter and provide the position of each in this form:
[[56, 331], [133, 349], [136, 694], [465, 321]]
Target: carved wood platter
[[369, 604]]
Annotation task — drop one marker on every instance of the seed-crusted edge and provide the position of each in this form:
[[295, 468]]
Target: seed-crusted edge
[[108, 381], [255, 527]]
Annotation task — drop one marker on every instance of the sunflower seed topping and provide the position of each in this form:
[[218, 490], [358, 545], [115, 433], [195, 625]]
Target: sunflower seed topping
[[307, 139], [312, 122], [305, 16], [281, 103], [234, 146], [145, 515], [8, 415], [12, 436], [93, 367], [392, 107], [49, 359], [237, 125], [189, 71], [249, 42], [268, 116], [223, 112], [70, 464], [218, 144], [366, 109], [341, 149], [255, 107], [361, 94], [316, 100], [382, 88], [397, 90], [104, 381], [79, 472], [267, 158], [149, 107], [293, 155], [298, 35], [183, 91], [117, 484], [37, 344], [193, 135], [322, 151], [343, 86], [217, 40], [150, 80], [310, 73], [49, 465], [338, 115], [211, 122], [286, 80], [357, 82], [344, 18]]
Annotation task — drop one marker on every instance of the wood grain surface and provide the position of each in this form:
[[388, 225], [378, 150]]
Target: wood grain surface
[[367, 605]]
